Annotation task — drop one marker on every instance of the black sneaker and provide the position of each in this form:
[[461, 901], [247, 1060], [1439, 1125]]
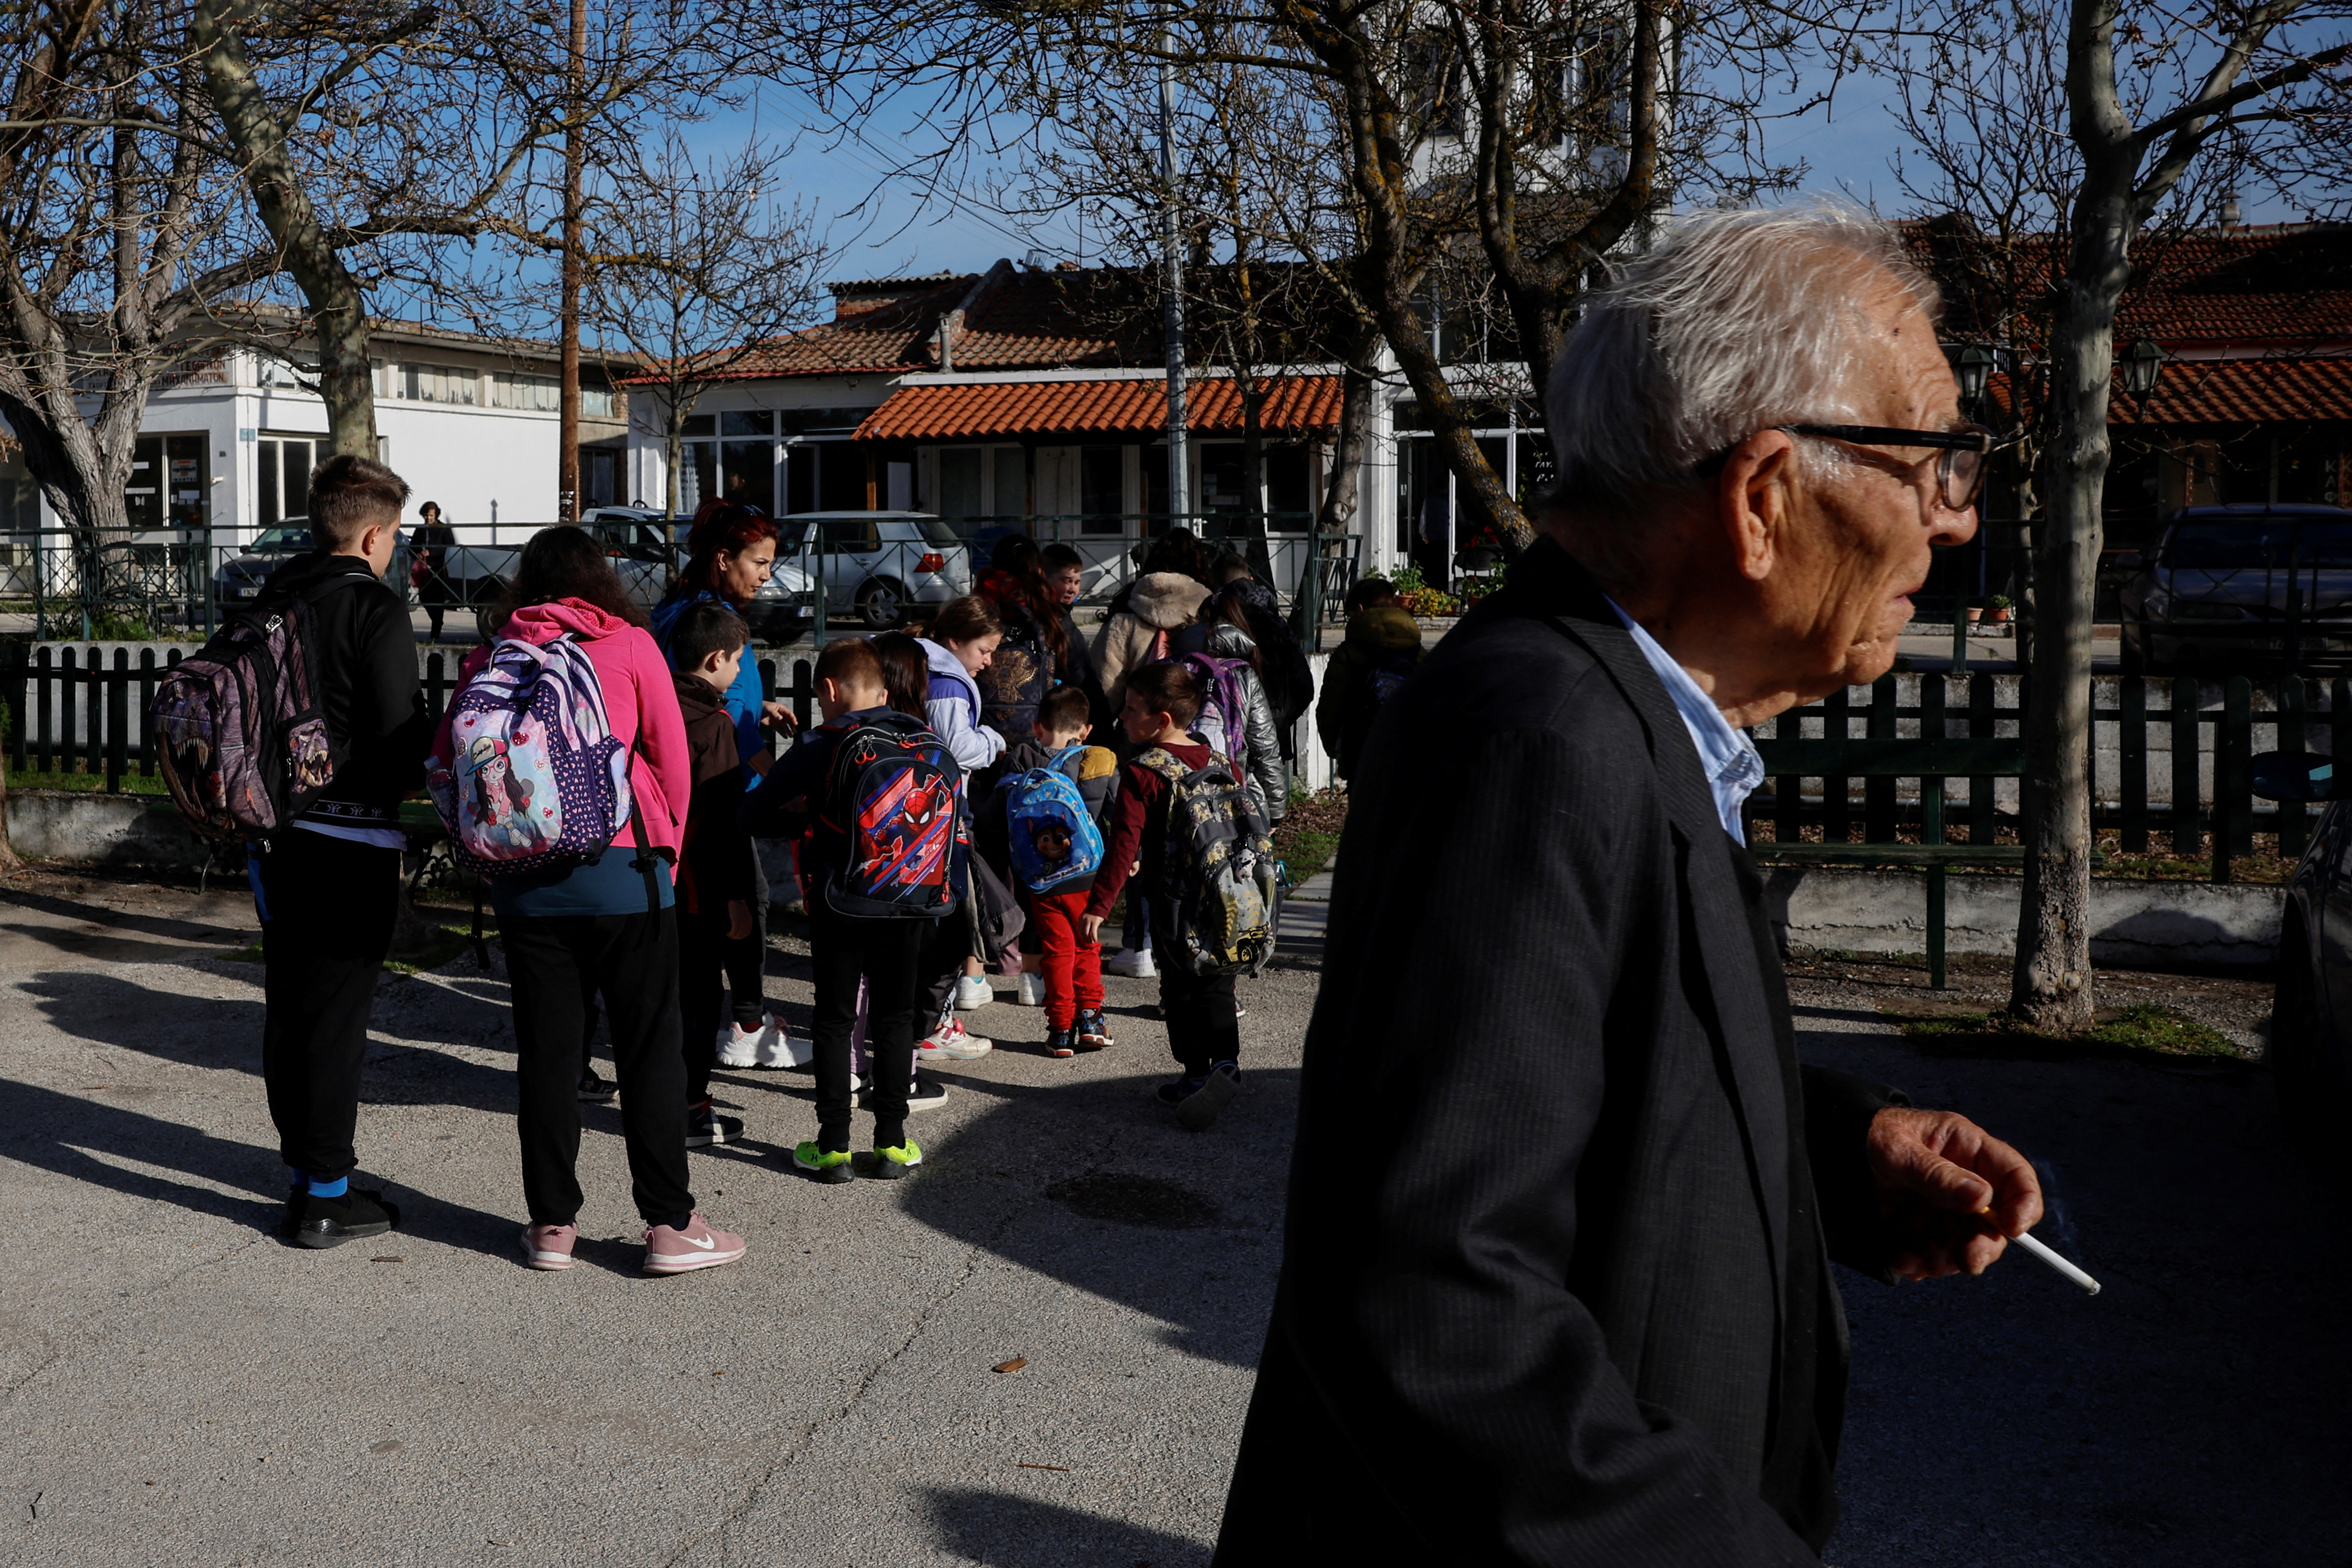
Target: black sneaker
[[922, 1094], [1094, 1033], [1197, 1101], [597, 1090], [705, 1127], [1061, 1042], [330, 1222]]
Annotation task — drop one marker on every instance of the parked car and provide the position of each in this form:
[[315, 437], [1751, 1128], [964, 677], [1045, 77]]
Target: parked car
[[2310, 1051], [636, 544], [237, 580], [2224, 581], [879, 564]]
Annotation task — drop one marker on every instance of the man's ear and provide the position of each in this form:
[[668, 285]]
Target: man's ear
[[1755, 499]]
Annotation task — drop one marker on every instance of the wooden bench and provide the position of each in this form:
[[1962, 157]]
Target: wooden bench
[[1930, 760]]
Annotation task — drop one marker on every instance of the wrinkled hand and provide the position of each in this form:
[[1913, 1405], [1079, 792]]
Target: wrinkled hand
[[1952, 1192], [739, 919], [1089, 930]]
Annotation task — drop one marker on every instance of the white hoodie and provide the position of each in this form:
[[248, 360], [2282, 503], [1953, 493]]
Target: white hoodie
[[953, 719]]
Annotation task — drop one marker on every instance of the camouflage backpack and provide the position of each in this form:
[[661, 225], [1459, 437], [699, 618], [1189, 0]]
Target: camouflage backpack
[[1216, 897]]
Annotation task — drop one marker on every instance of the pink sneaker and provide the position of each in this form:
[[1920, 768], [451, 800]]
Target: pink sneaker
[[699, 1246], [549, 1246], [952, 1042]]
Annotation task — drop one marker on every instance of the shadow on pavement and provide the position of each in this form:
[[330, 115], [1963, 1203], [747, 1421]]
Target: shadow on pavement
[[225, 1033], [1006, 1532], [83, 1138], [1093, 1184]]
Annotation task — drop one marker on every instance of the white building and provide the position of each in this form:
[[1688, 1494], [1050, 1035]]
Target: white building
[[469, 422]]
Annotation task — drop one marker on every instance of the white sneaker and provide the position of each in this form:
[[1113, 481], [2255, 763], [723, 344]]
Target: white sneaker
[[973, 990], [1030, 992], [778, 1048], [952, 1042], [1135, 962], [738, 1047]]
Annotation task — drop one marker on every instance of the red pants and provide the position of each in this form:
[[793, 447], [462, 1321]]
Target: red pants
[[1073, 968]]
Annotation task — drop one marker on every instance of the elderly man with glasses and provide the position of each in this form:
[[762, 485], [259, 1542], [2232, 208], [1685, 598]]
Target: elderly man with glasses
[[1556, 1284]]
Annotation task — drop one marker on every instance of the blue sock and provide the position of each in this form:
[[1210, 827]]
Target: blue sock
[[333, 1189]]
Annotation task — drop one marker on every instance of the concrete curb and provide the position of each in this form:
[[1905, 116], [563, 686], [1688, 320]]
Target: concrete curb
[[90, 828], [2131, 922]]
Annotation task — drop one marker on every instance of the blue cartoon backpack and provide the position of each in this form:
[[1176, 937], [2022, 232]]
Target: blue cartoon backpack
[[893, 794], [1052, 837]]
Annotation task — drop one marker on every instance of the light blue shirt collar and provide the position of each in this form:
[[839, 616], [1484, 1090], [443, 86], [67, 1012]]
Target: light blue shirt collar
[[1726, 755]]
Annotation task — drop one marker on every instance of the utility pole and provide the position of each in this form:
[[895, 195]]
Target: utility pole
[[1171, 241], [575, 157]]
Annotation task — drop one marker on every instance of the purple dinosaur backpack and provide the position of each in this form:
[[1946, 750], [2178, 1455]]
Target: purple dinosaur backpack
[[1224, 706], [239, 735], [537, 781]]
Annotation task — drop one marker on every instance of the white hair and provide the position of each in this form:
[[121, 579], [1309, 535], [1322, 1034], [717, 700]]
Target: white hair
[[1733, 323]]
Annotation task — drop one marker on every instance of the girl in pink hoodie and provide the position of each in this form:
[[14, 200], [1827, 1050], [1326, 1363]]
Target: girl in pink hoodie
[[571, 933]]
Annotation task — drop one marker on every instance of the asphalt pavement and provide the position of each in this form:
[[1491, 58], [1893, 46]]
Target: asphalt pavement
[[178, 1387]]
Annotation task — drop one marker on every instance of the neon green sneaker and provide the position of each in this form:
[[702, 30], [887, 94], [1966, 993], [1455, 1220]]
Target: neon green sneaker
[[825, 1164], [890, 1165]]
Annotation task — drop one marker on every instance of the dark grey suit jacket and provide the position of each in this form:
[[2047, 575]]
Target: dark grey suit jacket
[[1553, 1206]]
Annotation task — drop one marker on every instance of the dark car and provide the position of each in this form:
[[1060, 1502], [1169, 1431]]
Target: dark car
[[238, 581], [2225, 584], [2310, 1051]]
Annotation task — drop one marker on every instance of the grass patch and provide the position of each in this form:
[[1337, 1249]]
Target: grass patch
[[1309, 835], [447, 944], [131, 782], [249, 953], [2141, 1030]]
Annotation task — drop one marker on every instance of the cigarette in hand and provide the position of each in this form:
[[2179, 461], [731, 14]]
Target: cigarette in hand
[[2089, 1285]]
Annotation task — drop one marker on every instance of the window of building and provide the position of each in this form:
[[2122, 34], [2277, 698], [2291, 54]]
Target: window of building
[[746, 473], [508, 389], [1287, 494], [595, 402], [298, 375], [284, 464], [961, 474], [1102, 489], [441, 384], [1010, 498]]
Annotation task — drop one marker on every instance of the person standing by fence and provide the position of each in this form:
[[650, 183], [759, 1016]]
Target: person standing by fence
[[328, 889], [428, 563]]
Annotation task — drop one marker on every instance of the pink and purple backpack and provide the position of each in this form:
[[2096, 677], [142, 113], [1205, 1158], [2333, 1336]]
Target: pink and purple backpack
[[537, 781]]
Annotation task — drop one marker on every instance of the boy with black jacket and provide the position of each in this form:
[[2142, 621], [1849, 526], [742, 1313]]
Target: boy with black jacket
[[326, 889], [1204, 1028], [886, 954], [1071, 964], [715, 881]]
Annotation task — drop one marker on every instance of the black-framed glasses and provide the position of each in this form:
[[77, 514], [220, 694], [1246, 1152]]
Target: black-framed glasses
[[1959, 462]]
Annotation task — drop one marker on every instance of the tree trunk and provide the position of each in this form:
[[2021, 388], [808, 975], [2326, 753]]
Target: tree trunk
[[338, 304], [2050, 987], [1342, 488]]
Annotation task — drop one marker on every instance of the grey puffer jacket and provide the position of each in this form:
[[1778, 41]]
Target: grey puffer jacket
[[1262, 764]]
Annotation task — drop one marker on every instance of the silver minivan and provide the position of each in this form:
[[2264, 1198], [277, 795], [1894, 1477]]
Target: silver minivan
[[879, 564]]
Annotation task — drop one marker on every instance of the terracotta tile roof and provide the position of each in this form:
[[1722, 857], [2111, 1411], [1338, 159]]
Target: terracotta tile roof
[[2227, 391], [2283, 285], [2245, 391], [1002, 410], [1093, 318]]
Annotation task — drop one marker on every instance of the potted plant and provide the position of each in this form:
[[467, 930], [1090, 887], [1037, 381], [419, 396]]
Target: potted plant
[[1976, 614], [1998, 607]]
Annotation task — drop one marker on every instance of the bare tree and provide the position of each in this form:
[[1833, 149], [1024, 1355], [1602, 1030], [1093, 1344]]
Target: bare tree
[[2111, 133], [120, 245], [701, 266]]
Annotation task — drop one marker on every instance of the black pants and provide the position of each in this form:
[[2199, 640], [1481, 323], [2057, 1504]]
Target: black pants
[[886, 954], [702, 961], [947, 943], [1201, 1027], [327, 907], [633, 960], [747, 960]]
